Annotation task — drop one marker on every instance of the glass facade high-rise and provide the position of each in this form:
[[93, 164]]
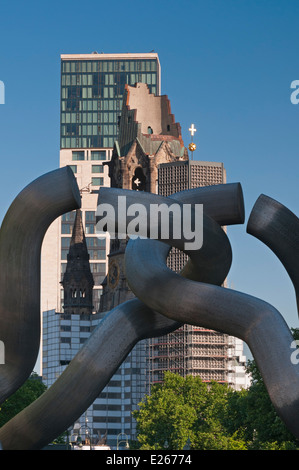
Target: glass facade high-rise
[[91, 94], [92, 87]]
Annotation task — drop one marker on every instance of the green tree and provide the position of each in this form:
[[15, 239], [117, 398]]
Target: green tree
[[211, 416], [257, 418], [29, 392], [185, 409]]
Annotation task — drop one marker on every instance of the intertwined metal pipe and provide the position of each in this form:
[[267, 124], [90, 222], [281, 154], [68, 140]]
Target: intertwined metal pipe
[[165, 301], [21, 236], [110, 343]]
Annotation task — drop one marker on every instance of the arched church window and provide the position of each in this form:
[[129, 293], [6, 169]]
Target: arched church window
[[139, 180]]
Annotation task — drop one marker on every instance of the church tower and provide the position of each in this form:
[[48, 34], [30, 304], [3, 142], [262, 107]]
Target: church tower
[[148, 137], [78, 280]]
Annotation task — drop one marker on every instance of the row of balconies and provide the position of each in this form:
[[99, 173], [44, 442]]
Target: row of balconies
[[172, 355], [194, 367]]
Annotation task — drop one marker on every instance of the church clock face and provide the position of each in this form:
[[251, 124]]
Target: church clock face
[[113, 274]]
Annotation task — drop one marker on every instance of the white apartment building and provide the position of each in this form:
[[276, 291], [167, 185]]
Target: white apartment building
[[92, 87]]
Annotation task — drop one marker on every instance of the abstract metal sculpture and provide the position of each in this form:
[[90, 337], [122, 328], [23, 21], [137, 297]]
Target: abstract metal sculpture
[[21, 236], [164, 301]]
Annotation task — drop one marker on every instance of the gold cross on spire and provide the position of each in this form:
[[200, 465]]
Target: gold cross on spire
[[192, 145], [192, 130]]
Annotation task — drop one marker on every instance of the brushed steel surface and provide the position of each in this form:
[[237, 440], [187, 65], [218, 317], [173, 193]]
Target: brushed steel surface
[[21, 236], [278, 228], [109, 344], [166, 300], [256, 322]]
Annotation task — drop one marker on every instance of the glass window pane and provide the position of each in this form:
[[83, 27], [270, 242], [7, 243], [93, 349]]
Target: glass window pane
[[96, 242], [65, 242], [68, 217], [97, 181], [66, 229], [89, 228], [78, 155], [97, 169], [97, 254], [98, 155], [64, 254], [90, 216], [98, 268]]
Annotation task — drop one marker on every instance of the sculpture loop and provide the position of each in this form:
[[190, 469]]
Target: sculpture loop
[[165, 300], [21, 236]]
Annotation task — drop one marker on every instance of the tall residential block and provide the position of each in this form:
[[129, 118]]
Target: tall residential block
[[92, 94], [92, 90]]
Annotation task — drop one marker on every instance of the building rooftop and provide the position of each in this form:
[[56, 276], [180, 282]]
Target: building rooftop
[[115, 56]]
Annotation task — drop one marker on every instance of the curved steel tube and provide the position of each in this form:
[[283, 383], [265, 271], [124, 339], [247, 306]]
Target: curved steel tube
[[256, 322], [216, 246], [21, 235], [84, 378], [278, 228], [102, 354], [224, 203]]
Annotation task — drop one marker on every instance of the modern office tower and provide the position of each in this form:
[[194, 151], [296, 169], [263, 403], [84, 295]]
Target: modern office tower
[[179, 176], [193, 350], [92, 89], [110, 414], [64, 334]]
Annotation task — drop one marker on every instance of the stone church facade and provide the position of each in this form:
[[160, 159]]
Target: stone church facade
[[148, 137]]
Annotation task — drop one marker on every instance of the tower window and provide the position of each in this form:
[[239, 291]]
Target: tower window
[[97, 169], [78, 155], [98, 155], [97, 181], [139, 180], [74, 168]]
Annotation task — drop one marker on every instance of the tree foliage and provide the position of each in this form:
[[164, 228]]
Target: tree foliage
[[210, 416], [29, 392], [185, 410]]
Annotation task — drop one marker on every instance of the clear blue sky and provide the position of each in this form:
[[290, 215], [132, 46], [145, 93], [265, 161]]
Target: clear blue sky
[[227, 67]]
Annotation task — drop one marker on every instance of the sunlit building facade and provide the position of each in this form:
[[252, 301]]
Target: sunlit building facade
[[92, 88]]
